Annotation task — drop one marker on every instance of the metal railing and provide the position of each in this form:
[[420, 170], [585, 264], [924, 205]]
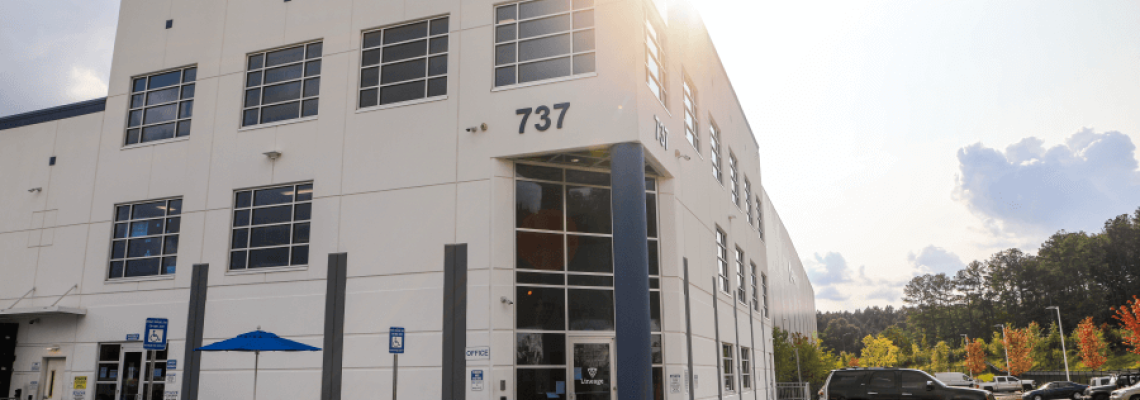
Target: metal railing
[[793, 391], [1081, 377]]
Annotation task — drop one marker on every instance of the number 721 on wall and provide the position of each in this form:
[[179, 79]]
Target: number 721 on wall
[[543, 114]]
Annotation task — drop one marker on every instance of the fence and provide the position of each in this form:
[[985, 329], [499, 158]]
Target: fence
[[1081, 377], [793, 391]]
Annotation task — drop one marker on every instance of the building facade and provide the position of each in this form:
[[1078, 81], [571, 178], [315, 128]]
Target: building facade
[[551, 197]]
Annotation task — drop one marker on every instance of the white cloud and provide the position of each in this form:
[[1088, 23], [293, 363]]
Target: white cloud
[[85, 84], [934, 260], [1030, 191]]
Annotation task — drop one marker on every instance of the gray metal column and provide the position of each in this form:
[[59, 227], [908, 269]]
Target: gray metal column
[[454, 322], [195, 322], [331, 377], [688, 330], [631, 273]]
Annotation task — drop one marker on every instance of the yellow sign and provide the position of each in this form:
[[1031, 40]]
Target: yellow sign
[[81, 383]]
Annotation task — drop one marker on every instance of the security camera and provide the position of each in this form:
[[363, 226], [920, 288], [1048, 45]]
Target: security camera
[[506, 301], [33, 321]]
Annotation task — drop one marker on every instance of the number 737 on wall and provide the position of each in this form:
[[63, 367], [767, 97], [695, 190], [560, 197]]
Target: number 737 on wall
[[543, 113]]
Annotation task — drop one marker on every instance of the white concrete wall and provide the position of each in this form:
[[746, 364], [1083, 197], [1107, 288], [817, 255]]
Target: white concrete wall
[[392, 187]]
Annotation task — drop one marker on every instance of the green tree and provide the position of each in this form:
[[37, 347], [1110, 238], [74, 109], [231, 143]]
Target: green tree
[[940, 357]]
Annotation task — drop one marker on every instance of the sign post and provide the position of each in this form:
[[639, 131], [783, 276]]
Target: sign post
[[155, 334], [396, 347]]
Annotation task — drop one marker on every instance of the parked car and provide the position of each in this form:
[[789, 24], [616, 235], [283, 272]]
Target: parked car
[[1099, 388], [955, 379], [892, 384], [1127, 393], [1055, 390], [1006, 383]]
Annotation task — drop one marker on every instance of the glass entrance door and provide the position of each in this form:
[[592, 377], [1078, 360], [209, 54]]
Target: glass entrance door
[[130, 386], [592, 365], [127, 372]]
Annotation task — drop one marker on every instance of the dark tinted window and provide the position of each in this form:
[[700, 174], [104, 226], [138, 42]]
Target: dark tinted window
[[540, 349], [846, 378], [914, 380], [883, 380]]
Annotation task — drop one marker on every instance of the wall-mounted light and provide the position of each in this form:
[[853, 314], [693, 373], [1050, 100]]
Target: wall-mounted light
[[273, 155], [52, 348]]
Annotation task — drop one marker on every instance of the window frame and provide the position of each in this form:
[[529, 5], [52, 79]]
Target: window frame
[[764, 286], [714, 151], [748, 200], [722, 260], [692, 133], [427, 57], [759, 217], [755, 295], [745, 368], [515, 63], [733, 179], [166, 219], [248, 227], [179, 103], [741, 289], [301, 100], [728, 352], [655, 40]]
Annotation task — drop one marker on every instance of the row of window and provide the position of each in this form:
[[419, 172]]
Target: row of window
[[270, 228], [759, 294], [535, 40]]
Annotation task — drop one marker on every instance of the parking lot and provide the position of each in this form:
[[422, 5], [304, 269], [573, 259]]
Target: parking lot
[[1007, 395]]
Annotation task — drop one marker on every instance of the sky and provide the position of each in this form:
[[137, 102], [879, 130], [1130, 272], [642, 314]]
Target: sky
[[897, 138]]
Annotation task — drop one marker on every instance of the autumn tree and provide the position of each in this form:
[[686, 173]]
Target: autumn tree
[[1129, 317], [940, 357], [976, 357], [1020, 347], [879, 352], [1091, 344]]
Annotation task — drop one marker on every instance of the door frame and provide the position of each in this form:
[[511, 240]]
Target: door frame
[[44, 384], [571, 340]]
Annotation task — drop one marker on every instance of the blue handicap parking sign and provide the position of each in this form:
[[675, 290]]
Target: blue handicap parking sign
[[154, 335], [396, 340]]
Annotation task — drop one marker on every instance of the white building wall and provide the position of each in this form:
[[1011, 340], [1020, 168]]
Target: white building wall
[[391, 188]]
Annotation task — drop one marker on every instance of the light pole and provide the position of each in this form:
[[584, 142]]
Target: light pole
[[1062, 330], [1004, 346]]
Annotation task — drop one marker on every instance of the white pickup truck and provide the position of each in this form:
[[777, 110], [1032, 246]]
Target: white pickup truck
[[1006, 383]]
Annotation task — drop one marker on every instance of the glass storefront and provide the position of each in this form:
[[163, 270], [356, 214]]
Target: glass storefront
[[564, 287]]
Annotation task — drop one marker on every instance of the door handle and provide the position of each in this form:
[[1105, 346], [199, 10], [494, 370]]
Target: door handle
[[872, 392]]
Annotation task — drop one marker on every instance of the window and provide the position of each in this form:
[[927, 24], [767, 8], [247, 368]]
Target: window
[[741, 289], [745, 368], [913, 381], [282, 84], [543, 39], [271, 227], [145, 239], [714, 151], [884, 380], [727, 362], [759, 217], [655, 74], [403, 63], [764, 287], [733, 179], [748, 200], [691, 116], [755, 293], [722, 259], [160, 106]]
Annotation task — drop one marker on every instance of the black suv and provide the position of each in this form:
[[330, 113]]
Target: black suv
[[893, 384]]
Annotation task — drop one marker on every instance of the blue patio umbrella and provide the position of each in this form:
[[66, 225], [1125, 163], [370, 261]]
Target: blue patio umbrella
[[257, 342]]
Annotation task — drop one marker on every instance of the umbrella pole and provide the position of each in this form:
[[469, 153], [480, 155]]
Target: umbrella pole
[[256, 359]]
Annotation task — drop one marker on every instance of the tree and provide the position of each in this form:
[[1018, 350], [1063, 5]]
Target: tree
[[976, 357], [879, 352], [1091, 344], [940, 357], [1129, 317], [1020, 350]]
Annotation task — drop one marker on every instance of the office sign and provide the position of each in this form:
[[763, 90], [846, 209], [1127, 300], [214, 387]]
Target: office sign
[[155, 334], [478, 353], [132, 337], [396, 340], [171, 365]]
